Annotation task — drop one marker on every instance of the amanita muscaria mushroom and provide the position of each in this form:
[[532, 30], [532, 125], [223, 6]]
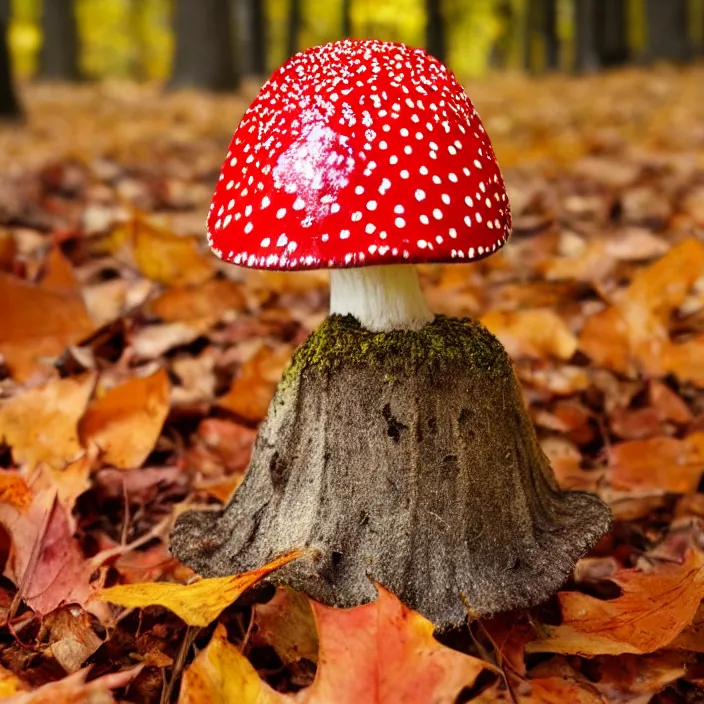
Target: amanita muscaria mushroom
[[397, 447]]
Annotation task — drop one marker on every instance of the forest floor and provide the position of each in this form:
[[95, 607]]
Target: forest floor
[[136, 367]]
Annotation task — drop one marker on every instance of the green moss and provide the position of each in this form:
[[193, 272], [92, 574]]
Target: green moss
[[342, 340]]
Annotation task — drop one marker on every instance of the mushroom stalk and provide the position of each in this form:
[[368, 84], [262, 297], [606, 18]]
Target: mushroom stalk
[[381, 298]]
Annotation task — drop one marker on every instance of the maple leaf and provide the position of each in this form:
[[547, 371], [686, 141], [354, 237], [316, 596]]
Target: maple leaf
[[653, 610], [378, 653]]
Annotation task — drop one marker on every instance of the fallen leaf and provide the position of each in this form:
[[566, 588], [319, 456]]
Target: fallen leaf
[[14, 491], [40, 320], [378, 653], [532, 333], [253, 388], [220, 674], [661, 464], [383, 652], [209, 300], [287, 624], [9, 683], [71, 637], [41, 425], [126, 422], [198, 604], [74, 689], [653, 610], [168, 258]]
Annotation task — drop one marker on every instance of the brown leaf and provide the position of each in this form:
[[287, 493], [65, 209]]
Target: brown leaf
[[287, 624], [72, 639], [653, 610], [126, 422], [40, 425]]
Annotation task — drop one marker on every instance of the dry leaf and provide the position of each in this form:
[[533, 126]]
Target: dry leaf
[[653, 610], [41, 425], [532, 333], [168, 258], [252, 390], [40, 320], [209, 300], [126, 422], [660, 464], [198, 604]]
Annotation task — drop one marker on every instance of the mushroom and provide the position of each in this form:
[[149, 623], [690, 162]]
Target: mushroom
[[397, 447]]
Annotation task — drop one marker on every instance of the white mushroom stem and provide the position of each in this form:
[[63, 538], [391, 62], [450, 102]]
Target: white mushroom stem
[[381, 298]]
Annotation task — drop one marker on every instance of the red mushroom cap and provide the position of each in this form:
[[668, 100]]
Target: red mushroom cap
[[358, 153]]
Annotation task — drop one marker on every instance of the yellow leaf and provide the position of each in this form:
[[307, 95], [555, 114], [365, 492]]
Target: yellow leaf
[[198, 604], [9, 683], [126, 422], [40, 425], [169, 258], [222, 675]]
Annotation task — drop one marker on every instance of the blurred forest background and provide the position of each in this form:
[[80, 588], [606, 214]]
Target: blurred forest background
[[213, 44]]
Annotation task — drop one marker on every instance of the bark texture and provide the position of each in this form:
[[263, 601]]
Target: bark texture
[[405, 459]]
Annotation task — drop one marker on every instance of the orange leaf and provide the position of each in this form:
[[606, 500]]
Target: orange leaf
[[209, 300], [125, 423], [660, 465], [40, 320], [252, 390], [384, 652], [378, 653], [40, 425], [653, 610], [14, 491], [532, 333]]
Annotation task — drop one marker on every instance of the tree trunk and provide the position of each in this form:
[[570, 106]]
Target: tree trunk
[[205, 46], [252, 22], [58, 60], [295, 19], [346, 18], [435, 40], [667, 30], [9, 105], [542, 45], [587, 57], [611, 17]]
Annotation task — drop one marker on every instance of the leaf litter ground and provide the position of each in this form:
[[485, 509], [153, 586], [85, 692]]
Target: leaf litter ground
[[136, 368]]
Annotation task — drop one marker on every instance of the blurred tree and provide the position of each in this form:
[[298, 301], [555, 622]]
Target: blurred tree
[[435, 37], [252, 24], [9, 105], [542, 45], [58, 59], [295, 19], [601, 33], [205, 54], [668, 36], [346, 18]]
